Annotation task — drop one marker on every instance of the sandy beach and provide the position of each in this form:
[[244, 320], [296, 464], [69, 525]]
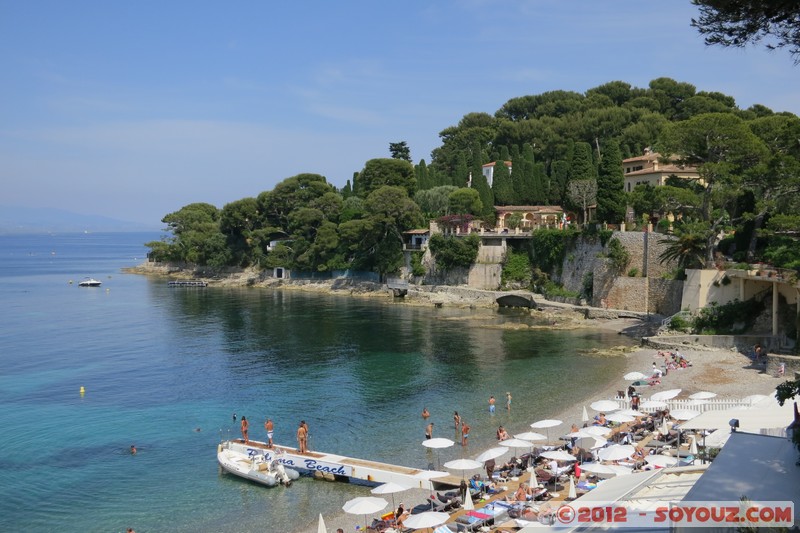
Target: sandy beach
[[725, 372]]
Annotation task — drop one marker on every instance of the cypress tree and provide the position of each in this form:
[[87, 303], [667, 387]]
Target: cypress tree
[[610, 185], [502, 186], [461, 176]]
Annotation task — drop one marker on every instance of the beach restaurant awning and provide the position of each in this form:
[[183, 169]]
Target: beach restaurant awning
[[751, 419], [760, 467]]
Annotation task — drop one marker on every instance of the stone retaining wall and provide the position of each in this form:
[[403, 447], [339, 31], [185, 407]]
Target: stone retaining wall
[[791, 365]]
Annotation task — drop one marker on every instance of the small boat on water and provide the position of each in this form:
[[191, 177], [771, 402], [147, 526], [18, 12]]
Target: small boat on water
[[89, 282], [262, 468]]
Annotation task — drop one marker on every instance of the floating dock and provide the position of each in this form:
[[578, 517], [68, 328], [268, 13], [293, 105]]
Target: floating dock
[[342, 468], [188, 283]]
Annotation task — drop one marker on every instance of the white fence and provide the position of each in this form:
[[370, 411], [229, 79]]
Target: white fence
[[714, 404]]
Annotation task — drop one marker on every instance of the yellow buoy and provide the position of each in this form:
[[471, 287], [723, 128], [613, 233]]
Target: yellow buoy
[[83, 391]]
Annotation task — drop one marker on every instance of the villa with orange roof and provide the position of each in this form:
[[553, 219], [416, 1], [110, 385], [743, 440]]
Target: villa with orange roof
[[652, 169]]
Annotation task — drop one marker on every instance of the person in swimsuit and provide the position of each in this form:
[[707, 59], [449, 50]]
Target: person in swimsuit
[[425, 413], [464, 432], [133, 449], [429, 431], [491, 404], [456, 419], [502, 434], [245, 427], [269, 426], [508, 401], [302, 435]]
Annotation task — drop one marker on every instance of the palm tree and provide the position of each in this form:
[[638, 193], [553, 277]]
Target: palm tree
[[689, 248]]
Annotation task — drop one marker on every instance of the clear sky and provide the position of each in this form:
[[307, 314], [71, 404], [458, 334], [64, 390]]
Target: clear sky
[[135, 109]]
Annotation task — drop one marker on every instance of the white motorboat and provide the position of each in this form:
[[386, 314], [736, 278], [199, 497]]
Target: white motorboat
[[89, 282], [255, 466]]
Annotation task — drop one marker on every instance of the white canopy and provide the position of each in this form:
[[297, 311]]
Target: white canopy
[[750, 419]]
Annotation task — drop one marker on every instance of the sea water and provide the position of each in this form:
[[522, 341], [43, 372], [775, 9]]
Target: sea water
[[165, 369]]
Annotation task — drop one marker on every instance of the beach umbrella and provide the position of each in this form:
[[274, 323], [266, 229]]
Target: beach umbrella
[[463, 465], [597, 468], [437, 444], [427, 475], [572, 494], [364, 505], [605, 405], [559, 455], [664, 427], [702, 395], [652, 405], [491, 453], [321, 525], [693, 445], [619, 417], [683, 414], [468, 505], [590, 442], [616, 452], [621, 470], [634, 376], [534, 481], [389, 488], [665, 395], [530, 436], [428, 519], [585, 417], [630, 412], [546, 424], [592, 431], [515, 443], [753, 398], [661, 461]]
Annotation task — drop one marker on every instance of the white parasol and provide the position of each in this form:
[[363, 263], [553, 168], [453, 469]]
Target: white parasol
[[665, 395], [428, 519], [616, 452], [634, 376], [683, 414], [530, 436], [661, 461], [558, 455], [585, 417], [652, 405], [597, 468], [389, 488], [491, 453], [630, 412], [702, 395], [364, 505], [437, 444], [468, 504], [693, 445], [515, 443], [571, 494], [463, 465], [546, 424], [619, 417], [321, 525], [605, 405]]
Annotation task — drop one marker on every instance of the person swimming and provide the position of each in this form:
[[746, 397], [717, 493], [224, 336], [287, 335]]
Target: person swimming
[[133, 449]]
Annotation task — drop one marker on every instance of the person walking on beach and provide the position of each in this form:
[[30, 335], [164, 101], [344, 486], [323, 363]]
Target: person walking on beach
[[491, 404], [269, 426], [429, 431], [456, 419], [425, 414], [245, 427], [508, 401], [464, 432], [302, 436]]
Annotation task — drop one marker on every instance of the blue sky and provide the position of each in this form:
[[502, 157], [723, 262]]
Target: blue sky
[[135, 109]]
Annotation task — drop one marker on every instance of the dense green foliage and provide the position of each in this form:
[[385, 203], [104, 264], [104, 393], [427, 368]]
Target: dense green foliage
[[618, 254], [549, 247], [454, 252], [516, 270], [732, 318], [565, 149]]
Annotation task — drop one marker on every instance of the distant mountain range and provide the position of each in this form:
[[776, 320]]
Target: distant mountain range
[[38, 220]]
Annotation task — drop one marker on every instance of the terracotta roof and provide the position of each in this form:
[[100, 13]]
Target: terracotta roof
[[535, 208], [666, 169], [508, 164], [417, 232], [652, 156]]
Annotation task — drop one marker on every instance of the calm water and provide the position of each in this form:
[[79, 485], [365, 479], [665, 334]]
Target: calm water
[[165, 369]]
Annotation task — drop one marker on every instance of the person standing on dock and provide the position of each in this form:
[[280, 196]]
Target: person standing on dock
[[491, 404], [429, 431], [302, 436], [245, 427], [269, 426], [508, 401], [464, 432]]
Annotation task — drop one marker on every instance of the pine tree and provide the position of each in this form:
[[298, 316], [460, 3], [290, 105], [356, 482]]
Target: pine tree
[[610, 185]]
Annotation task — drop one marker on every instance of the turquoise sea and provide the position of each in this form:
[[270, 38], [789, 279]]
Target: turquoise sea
[[166, 368]]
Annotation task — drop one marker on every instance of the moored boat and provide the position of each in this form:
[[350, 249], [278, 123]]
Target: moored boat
[[261, 468], [89, 282]]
